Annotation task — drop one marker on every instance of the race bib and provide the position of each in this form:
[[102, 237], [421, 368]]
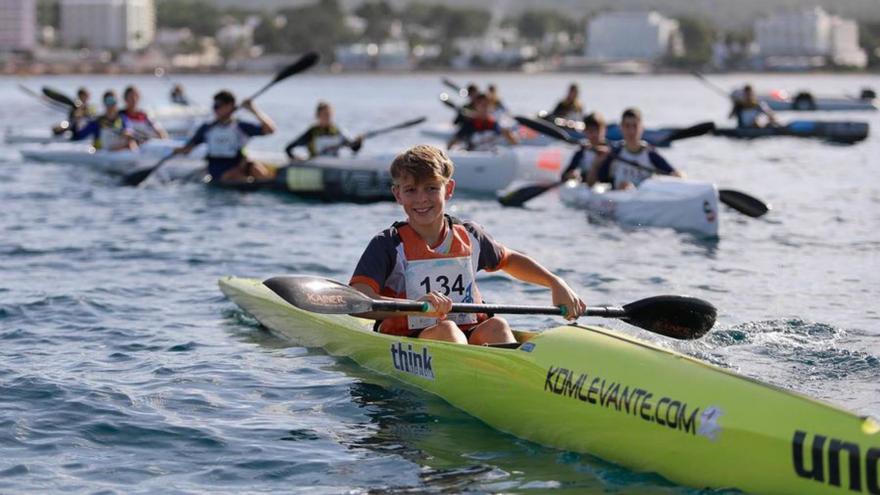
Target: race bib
[[328, 145], [452, 277], [223, 142]]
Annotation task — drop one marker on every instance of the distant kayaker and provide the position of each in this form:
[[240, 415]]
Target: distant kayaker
[[434, 257], [495, 105], [80, 114], [569, 107], [592, 154], [144, 127], [480, 128], [615, 169], [226, 138], [323, 138], [467, 109], [747, 109], [177, 95], [110, 131]]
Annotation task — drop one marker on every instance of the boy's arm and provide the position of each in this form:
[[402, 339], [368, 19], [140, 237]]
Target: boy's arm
[[527, 269], [265, 121]]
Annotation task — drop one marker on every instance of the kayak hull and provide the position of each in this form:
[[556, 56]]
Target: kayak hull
[[818, 104], [592, 390], [843, 132], [528, 137], [684, 205]]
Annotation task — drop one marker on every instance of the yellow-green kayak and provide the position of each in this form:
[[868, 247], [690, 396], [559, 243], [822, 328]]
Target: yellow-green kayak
[[593, 390]]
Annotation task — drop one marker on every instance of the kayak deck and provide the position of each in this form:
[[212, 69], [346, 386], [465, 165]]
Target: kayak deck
[[592, 390]]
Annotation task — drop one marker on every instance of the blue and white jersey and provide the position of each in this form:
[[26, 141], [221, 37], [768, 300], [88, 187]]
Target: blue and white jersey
[[617, 171]]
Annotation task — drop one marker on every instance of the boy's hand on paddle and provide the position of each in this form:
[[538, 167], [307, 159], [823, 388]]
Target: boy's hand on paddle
[[440, 304], [564, 296]]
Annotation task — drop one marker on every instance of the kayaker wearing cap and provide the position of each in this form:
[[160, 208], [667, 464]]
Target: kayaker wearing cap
[[747, 109], [592, 154], [80, 114], [480, 128], [569, 107], [110, 131], [434, 257], [323, 138], [178, 97], [624, 175], [226, 138], [144, 127]]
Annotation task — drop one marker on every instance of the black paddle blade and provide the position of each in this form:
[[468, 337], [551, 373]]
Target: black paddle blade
[[518, 197], [743, 203], [58, 96], [689, 132], [319, 295], [545, 128], [444, 99], [679, 317], [305, 62], [135, 178]]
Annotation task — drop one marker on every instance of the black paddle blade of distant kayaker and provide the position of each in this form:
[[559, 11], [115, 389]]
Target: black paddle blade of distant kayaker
[[743, 203], [546, 128], [304, 63], [689, 132], [455, 87], [519, 197], [444, 99], [679, 317], [319, 295], [58, 96], [135, 178]]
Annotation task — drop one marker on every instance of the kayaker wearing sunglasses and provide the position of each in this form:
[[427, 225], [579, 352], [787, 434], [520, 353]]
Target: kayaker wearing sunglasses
[[226, 138], [434, 257], [111, 131]]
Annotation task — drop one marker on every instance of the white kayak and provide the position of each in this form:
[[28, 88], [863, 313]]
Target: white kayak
[[176, 112], [483, 172], [526, 136], [804, 101], [117, 162], [475, 171], [685, 205]]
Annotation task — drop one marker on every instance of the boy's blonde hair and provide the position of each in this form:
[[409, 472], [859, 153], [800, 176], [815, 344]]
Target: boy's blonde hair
[[422, 163]]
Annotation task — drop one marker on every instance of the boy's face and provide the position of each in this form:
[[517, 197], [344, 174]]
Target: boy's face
[[595, 133], [631, 128], [425, 202]]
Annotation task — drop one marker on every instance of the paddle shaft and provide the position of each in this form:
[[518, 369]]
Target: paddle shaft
[[424, 307], [710, 84]]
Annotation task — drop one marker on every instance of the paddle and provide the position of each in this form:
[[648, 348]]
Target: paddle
[[462, 91], [377, 132], [59, 97], [54, 105], [710, 84], [739, 201], [304, 63], [679, 317]]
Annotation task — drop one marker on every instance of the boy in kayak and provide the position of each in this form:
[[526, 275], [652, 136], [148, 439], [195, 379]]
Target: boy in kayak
[[226, 138], [570, 107], [434, 257], [591, 154], [143, 126], [615, 169], [747, 109], [79, 116], [480, 128], [178, 97], [110, 131], [323, 138]]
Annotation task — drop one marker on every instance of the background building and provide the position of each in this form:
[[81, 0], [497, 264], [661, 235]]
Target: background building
[[18, 25], [809, 38], [618, 36], [109, 24]]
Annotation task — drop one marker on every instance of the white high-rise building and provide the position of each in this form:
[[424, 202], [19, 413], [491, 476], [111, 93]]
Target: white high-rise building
[[810, 33], [111, 24], [18, 24], [615, 36]]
